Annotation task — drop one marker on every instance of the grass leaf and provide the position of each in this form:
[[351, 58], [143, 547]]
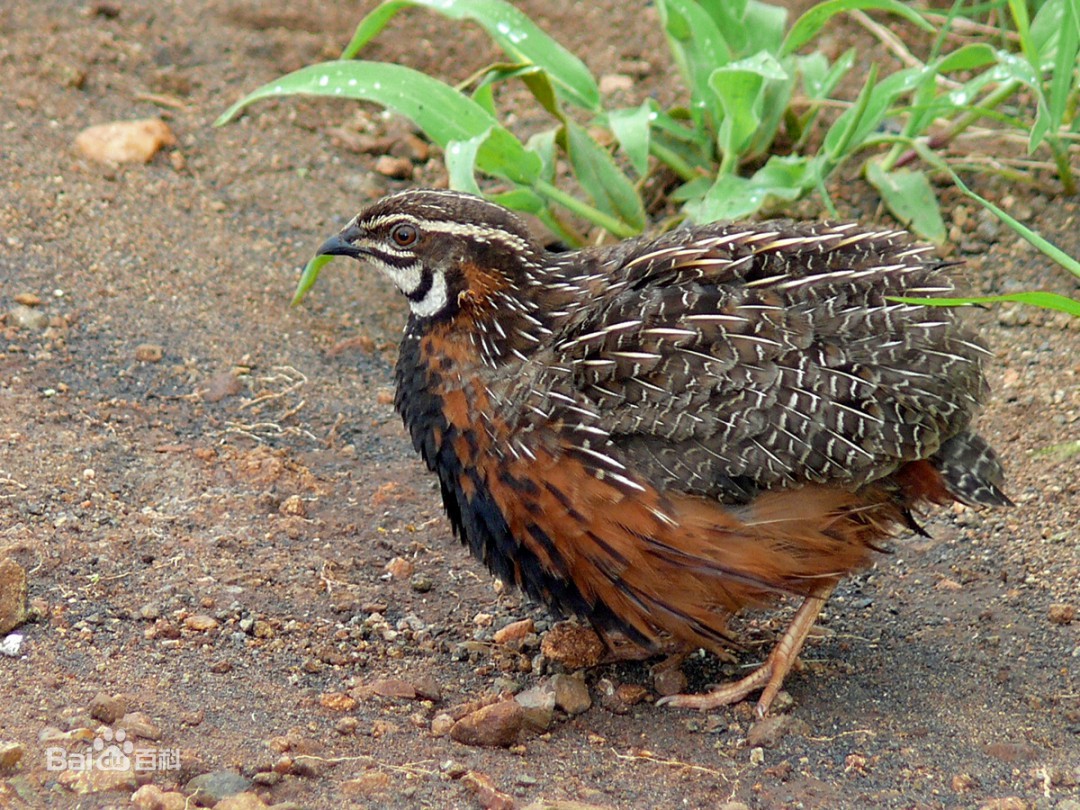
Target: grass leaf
[[807, 26], [908, 195], [438, 109], [519, 37], [1045, 300]]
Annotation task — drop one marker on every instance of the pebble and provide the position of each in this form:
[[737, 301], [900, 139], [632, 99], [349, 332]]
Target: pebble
[[293, 506], [200, 622], [140, 725], [571, 693], [400, 168], [151, 797], [768, 732], [12, 595], [1013, 316], [1006, 803], [573, 646], [538, 703], [11, 753], [211, 788], [615, 83], [669, 681], [337, 701], [24, 317], [515, 631], [1060, 613], [241, 801], [11, 646], [106, 708], [96, 780], [368, 784], [125, 141], [494, 726], [399, 568], [149, 352], [28, 299], [488, 796], [441, 724]]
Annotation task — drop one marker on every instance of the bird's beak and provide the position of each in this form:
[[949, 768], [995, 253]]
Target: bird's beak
[[339, 245]]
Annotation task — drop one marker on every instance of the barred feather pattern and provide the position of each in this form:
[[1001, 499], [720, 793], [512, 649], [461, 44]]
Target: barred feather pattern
[[654, 434]]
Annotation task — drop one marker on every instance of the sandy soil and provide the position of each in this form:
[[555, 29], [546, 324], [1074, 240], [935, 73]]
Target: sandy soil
[[228, 539]]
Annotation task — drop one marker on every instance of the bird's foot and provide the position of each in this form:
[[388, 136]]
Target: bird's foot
[[769, 677]]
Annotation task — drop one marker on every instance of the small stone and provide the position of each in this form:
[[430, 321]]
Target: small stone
[[24, 317], [293, 506], [200, 622], [97, 780], [151, 797], [369, 784], [107, 709], [497, 725], [421, 583], [515, 631], [538, 704], [441, 724], [1013, 316], [1011, 752], [337, 701], [400, 168], [149, 352], [11, 646], [615, 83], [573, 646], [222, 385], [347, 725], [1006, 803], [211, 788], [399, 568], [12, 595], [571, 693], [11, 753], [669, 680], [1060, 613], [125, 141], [140, 725], [624, 696], [241, 801], [487, 795], [963, 782], [28, 299], [768, 732], [151, 611]]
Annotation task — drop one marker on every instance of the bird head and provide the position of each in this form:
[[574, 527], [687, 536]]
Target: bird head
[[444, 250]]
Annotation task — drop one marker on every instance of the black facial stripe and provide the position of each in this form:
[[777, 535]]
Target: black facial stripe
[[423, 288]]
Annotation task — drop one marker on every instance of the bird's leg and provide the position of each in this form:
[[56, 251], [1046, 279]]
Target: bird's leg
[[770, 675]]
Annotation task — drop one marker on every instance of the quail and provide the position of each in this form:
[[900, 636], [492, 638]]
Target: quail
[[655, 434]]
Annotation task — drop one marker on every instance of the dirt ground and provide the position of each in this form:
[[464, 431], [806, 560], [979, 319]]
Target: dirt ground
[[229, 540]]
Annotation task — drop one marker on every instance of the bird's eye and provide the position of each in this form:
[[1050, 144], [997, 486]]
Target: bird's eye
[[404, 235]]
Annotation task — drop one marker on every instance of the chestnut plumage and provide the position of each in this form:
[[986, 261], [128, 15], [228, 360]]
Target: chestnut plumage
[[656, 434]]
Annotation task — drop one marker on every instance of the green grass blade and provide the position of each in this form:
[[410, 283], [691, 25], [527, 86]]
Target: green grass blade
[[633, 129], [808, 25], [596, 171], [519, 37], [1044, 300], [908, 195], [740, 88], [438, 109], [308, 277], [1045, 246]]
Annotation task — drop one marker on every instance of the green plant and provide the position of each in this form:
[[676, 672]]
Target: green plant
[[747, 82]]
